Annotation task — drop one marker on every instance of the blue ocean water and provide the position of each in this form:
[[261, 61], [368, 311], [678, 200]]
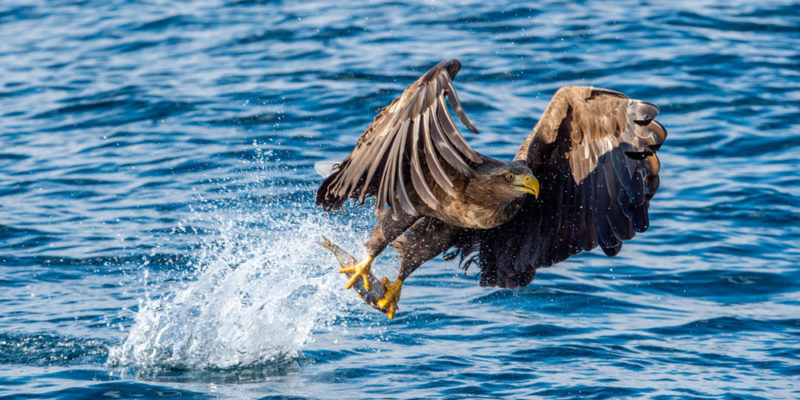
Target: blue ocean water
[[157, 225]]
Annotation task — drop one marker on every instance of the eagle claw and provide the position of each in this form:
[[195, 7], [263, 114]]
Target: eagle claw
[[362, 270], [388, 303]]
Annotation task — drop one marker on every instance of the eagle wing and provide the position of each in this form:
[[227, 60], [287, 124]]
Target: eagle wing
[[411, 143], [593, 152]]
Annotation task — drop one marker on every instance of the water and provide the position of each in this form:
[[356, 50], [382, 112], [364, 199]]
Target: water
[[156, 187]]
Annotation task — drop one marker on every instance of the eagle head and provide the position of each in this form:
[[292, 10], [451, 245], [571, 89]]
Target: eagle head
[[502, 184]]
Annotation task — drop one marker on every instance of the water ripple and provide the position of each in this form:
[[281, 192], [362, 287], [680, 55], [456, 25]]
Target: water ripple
[[157, 181]]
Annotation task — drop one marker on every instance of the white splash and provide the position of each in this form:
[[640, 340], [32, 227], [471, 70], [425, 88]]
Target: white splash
[[262, 287]]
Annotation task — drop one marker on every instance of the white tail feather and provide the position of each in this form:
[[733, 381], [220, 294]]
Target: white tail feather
[[325, 168]]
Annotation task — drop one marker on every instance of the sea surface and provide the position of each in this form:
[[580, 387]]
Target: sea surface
[[158, 233]]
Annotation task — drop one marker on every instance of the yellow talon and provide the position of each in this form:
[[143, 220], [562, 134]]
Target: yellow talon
[[389, 301], [362, 270]]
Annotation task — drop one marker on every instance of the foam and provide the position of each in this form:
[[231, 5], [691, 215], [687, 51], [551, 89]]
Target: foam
[[260, 288], [263, 286]]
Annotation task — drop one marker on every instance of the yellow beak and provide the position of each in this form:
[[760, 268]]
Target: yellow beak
[[528, 184]]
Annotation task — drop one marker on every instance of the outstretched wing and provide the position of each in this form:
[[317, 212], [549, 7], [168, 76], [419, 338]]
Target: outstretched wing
[[412, 144], [593, 152]]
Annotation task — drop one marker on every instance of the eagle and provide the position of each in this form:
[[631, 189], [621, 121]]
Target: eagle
[[583, 177]]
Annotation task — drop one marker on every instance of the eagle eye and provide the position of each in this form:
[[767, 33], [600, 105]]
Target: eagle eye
[[510, 176]]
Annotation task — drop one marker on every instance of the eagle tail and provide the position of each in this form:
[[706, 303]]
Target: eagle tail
[[326, 198]]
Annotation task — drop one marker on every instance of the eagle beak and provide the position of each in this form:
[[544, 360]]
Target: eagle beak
[[527, 183]]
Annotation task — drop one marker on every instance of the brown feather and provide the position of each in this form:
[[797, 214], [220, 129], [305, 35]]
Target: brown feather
[[431, 157], [456, 104], [593, 151], [400, 190], [444, 124], [454, 136], [390, 153], [417, 176]]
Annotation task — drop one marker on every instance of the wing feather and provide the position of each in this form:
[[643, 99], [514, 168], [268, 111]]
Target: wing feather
[[391, 174], [413, 143], [593, 151], [436, 170], [456, 104], [417, 176], [375, 152], [453, 157], [400, 190], [452, 133], [589, 236]]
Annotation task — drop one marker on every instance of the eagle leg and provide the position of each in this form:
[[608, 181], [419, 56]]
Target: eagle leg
[[383, 295], [377, 290], [425, 239], [389, 226]]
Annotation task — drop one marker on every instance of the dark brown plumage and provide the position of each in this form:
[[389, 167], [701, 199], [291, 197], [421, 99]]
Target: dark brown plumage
[[593, 152]]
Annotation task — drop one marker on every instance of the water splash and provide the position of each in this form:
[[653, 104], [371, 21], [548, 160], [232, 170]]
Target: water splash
[[260, 288]]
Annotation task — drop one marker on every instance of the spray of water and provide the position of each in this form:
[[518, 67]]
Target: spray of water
[[260, 288]]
